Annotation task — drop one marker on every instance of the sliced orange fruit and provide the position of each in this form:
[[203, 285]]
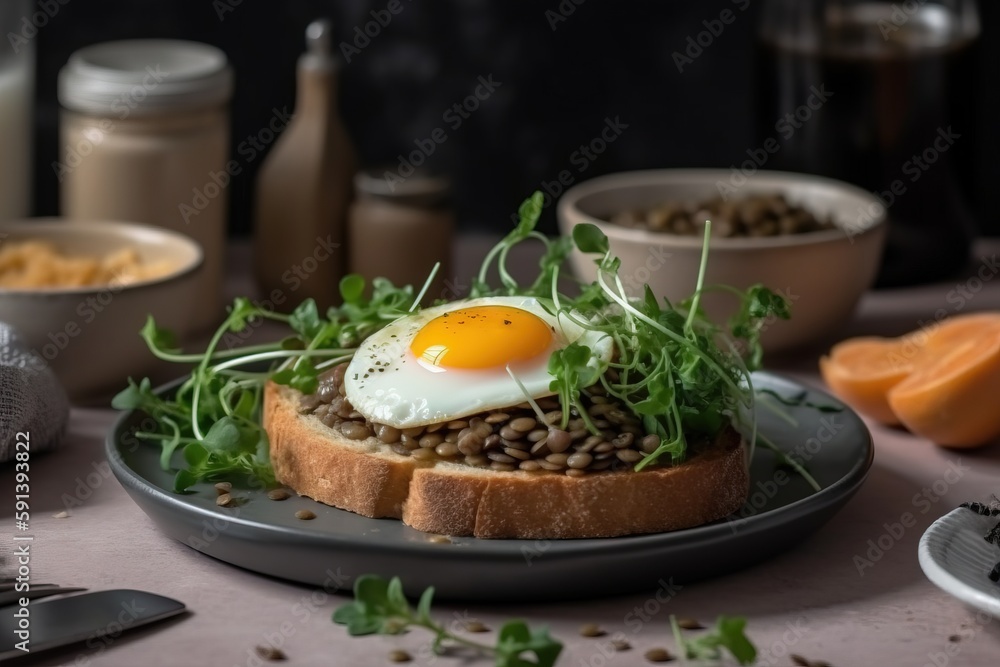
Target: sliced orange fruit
[[937, 381], [861, 371], [933, 340], [950, 398]]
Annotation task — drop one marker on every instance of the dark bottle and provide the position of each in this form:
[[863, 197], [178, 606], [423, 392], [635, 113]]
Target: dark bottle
[[304, 187], [881, 95]]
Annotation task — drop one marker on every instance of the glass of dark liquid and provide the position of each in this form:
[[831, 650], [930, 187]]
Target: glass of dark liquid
[[881, 95]]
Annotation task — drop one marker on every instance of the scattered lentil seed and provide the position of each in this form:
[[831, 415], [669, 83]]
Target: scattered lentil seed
[[658, 655], [806, 662], [224, 500], [278, 494], [620, 645], [270, 653], [476, 626], [591, 630], [399, 655], [305, 515], [439, 539], [689, 624], [61, 515], [223, 487]]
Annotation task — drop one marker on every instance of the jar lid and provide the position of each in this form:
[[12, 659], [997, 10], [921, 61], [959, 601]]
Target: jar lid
[[145, 77], [389, 184]]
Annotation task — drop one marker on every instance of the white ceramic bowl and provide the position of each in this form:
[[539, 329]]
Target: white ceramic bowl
[[823, 274], [89, 336]]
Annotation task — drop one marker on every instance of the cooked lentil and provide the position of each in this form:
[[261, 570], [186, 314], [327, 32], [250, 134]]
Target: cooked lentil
[[620, 645], [223, 487], [503, 440], [658, 655], [305, 515], [399, 655], [278, 494], [270, 653], [755, 215]]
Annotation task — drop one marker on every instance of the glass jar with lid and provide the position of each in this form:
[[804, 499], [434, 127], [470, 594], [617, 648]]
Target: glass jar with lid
[[400, 230], [145, 138]]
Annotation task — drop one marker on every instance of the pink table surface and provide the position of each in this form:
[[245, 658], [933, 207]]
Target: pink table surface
[[811, 600]]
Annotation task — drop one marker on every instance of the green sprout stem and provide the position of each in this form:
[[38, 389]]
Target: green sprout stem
[[426, 286], [784, 458], [527, 395], [702, 266]]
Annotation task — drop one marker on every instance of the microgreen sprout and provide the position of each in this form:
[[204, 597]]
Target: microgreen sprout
[[214, 417], [380, 607], [728, 634], [669, 366]]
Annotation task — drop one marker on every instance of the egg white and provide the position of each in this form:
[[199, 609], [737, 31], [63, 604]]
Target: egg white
[[386, 383]]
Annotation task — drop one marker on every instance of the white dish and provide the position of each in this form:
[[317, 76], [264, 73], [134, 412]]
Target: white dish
[[955, 557]]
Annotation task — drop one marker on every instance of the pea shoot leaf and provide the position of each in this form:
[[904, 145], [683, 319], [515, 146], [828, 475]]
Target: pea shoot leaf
[[728, 634], [380, 607], [588, 238]]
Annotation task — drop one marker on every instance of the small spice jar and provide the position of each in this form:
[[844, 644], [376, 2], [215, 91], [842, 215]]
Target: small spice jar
[[145, 138], [400, 229]]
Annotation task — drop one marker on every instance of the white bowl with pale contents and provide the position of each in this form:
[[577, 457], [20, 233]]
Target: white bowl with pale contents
[[822, 273], [80, 310]]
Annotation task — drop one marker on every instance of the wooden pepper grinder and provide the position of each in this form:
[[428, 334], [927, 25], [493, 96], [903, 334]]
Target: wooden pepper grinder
[[304, 188]]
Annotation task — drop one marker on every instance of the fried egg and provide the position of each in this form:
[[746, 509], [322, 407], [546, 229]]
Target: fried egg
[[451, 361]]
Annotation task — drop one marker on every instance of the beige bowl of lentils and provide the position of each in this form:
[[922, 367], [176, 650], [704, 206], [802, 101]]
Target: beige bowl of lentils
[[816, 241]]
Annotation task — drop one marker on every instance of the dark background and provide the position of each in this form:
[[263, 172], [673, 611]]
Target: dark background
[[605, 60]]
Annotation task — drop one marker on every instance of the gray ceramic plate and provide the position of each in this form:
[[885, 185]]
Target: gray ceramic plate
[[954, 555], [263, 535]]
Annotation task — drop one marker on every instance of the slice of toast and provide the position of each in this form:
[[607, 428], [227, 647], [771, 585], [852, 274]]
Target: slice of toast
[[368, 478]]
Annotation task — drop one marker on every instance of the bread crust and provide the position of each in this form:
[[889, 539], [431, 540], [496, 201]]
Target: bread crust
[[368, 478]]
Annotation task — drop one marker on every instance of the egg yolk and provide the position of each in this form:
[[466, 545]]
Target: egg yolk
[[481, 337]]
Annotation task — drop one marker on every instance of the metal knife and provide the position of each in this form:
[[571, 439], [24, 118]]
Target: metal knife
[[60, 621]]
